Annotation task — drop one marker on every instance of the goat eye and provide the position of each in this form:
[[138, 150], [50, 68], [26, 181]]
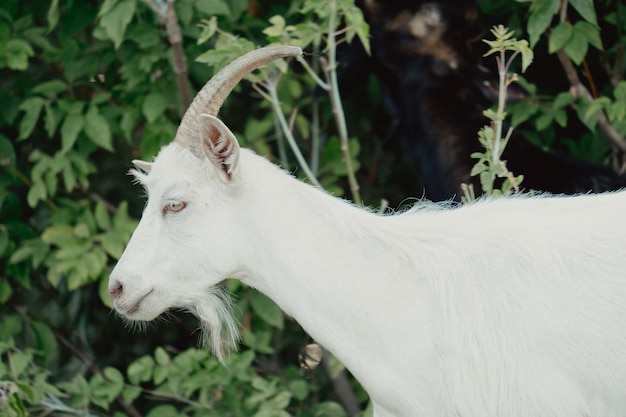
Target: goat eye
[[175, 205]]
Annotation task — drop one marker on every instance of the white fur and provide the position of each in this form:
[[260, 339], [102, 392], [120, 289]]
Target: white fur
[[514, 307]]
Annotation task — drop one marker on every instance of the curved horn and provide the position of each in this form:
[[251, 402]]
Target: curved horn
[[212, 96]]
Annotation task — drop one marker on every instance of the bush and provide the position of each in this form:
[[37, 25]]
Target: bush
[[87, 87]]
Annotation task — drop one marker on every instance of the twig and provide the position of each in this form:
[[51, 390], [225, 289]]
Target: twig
[[272, 96], [167, 16], [316, 140], [324, 85], [335, 100], [129, 408], [582, 92], [341, 386]]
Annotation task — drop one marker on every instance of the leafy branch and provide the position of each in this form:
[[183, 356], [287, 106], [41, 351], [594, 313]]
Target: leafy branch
[[490, 164]]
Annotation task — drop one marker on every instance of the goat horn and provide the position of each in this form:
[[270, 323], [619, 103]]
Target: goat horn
[[211, 97]]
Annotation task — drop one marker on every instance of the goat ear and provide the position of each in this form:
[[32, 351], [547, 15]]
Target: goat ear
[[142, 166], [219, 145]]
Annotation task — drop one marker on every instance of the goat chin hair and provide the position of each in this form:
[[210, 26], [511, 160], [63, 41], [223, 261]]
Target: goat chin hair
[[219, 328]]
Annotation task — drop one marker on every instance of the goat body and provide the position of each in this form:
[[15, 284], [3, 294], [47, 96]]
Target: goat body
[[507, 307]]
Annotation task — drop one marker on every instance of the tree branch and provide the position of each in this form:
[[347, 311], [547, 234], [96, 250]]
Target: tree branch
[[167, 16], [341, 385], [129, 408], [582, 92]]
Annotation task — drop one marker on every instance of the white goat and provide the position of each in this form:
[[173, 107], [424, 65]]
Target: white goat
[[503, 308]]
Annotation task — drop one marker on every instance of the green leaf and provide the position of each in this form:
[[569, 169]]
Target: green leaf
[[103, 220], [590, 32], [33, 249], [543, 121], [32, 108], [161, 356], [50, 119], [577, 47], [329, 409], [107, 6], [620, 91], [97, 129], [131, 393], [527, 54], [36, 193], [209, 27], [355, 20], [140, 370], [154, 105], [563, 99], [100, 98], [560, 36], [560, 117], [160, 374], [267, 310], [237, 7], [104, 391], [71, 127], [94, 263], [59, 235], [7, 152], [586, 10], [81, 230], [19, 361], [278, 26], [50, 88], [17, 52], [115, 20], [113, 375], [5, 290], [163, 411], [47, 345], [129, 121], [10, 326], [587, 113], [259, 341], [113, 244], [478, 168], [53, 15], [299, 389], [542, 12], [522, 111], [213, 7]]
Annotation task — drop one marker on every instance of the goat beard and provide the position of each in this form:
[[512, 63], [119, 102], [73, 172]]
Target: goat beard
[[219, 328]]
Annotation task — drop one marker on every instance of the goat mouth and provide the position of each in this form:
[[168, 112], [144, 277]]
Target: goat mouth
[[135, 307]]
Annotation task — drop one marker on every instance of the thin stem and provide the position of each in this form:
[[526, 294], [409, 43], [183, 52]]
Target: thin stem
[[335, 100], [313, 74], [502, 76], [316, 142], [178, 398], [271, 86], [342, 387], [280, 141], [280, 137], [167, 16]]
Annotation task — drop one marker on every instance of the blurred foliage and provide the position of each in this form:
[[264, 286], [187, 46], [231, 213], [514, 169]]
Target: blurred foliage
[[89, 86]]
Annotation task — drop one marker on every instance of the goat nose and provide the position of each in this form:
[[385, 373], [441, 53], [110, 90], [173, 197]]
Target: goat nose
[[116, 289]]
